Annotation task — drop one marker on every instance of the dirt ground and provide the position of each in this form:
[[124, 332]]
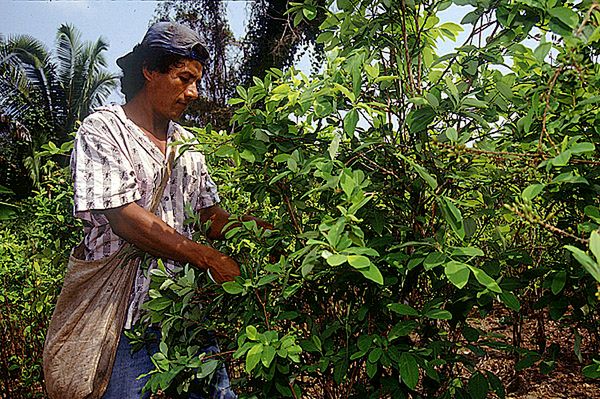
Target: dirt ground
[[564, 381]]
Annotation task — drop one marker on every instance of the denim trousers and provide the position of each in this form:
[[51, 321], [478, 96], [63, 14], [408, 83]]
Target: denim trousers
[[124, 382]]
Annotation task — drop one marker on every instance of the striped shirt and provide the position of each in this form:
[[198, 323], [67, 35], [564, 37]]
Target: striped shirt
[[114, 163]]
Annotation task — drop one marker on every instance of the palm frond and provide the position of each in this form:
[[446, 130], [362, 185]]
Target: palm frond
[[68, 48]]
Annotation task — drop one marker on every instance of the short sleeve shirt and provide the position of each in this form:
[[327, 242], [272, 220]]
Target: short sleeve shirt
[[114, 163]]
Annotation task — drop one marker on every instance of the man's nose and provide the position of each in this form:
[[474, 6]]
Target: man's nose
[[192, 91]]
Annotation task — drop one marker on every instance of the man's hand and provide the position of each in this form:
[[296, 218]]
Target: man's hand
[[222, 268]]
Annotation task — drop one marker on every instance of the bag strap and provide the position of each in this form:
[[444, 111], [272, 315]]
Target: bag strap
[[166, 174]]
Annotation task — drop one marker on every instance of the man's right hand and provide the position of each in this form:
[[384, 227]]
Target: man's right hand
[[222, 268]]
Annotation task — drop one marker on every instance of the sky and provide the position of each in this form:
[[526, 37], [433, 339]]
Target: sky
[[122, 23]]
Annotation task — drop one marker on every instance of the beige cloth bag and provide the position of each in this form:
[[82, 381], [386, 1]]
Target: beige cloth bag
[[87, 322]]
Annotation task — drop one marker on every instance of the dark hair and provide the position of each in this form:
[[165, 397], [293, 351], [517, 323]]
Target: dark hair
[[133, 79]]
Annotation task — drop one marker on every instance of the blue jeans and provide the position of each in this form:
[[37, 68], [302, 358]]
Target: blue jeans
[[128, 367]]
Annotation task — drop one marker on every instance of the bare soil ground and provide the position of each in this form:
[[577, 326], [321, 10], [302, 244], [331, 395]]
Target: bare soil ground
[[564, 381]]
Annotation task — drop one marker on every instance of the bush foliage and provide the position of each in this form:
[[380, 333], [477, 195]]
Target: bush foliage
[[34, 246], [414, 194]]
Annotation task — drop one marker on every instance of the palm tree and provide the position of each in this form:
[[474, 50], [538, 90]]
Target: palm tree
[[81, 73], [66, 85], [48, 92]]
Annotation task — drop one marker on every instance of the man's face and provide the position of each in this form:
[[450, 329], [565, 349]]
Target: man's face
[[171, 92]]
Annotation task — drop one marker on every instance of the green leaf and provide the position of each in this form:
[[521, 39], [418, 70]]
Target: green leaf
[[473, 102], [566, 16], [242, 92], [336, 259], [505, 89], [347, 183], [592, 212], [264, 280], [345, 5], [208, 368], [225, 151], [569, 177], [268, 355], [562, 159], [439, 314], [478, 386], [580, 148], [532, 191], [350, 121], [453, 217], [252, 333], [358, 261], [375, 355], [452, 134], [467, 251], [586, 261], [373, 274], [592, 370], [471, 334], [5, 190], [419, 119], [409, 370], [403, 309], [542, 51], [158, 304], [402, 329], [372, 70], [310, 12], [527, 361], [232, 287], [510, 300], [558, 282], [333, 146], [595, 245], [433, 259], [253, 356], [485, 280], [458, 273], [422, 172], [6, 212]]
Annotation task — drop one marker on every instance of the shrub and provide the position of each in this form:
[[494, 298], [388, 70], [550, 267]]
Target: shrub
[[414, 194], [34, 248]]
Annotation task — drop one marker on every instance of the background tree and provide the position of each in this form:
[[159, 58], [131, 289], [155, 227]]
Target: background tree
[[46, 93], [273, 40]]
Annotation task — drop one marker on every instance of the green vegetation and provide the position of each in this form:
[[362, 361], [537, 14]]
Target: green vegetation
[[415, 195], [34, 246], [44, 93]]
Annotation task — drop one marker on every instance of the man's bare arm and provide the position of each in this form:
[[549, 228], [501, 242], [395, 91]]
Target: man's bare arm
[[150, 234]]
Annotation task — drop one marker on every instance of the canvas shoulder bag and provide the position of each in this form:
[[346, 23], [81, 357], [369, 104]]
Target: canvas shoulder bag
[[87, 322]]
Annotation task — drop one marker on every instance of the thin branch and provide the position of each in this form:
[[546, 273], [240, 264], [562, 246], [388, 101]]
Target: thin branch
[[547, 226], [499, 154], [544, 132]]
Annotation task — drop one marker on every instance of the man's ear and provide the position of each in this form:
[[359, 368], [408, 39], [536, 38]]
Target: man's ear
[[148, 74]]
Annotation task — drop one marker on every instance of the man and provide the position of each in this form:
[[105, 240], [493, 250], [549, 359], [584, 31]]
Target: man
[[117, 162]]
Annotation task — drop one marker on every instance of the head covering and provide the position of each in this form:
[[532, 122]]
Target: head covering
[[173, 38]]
